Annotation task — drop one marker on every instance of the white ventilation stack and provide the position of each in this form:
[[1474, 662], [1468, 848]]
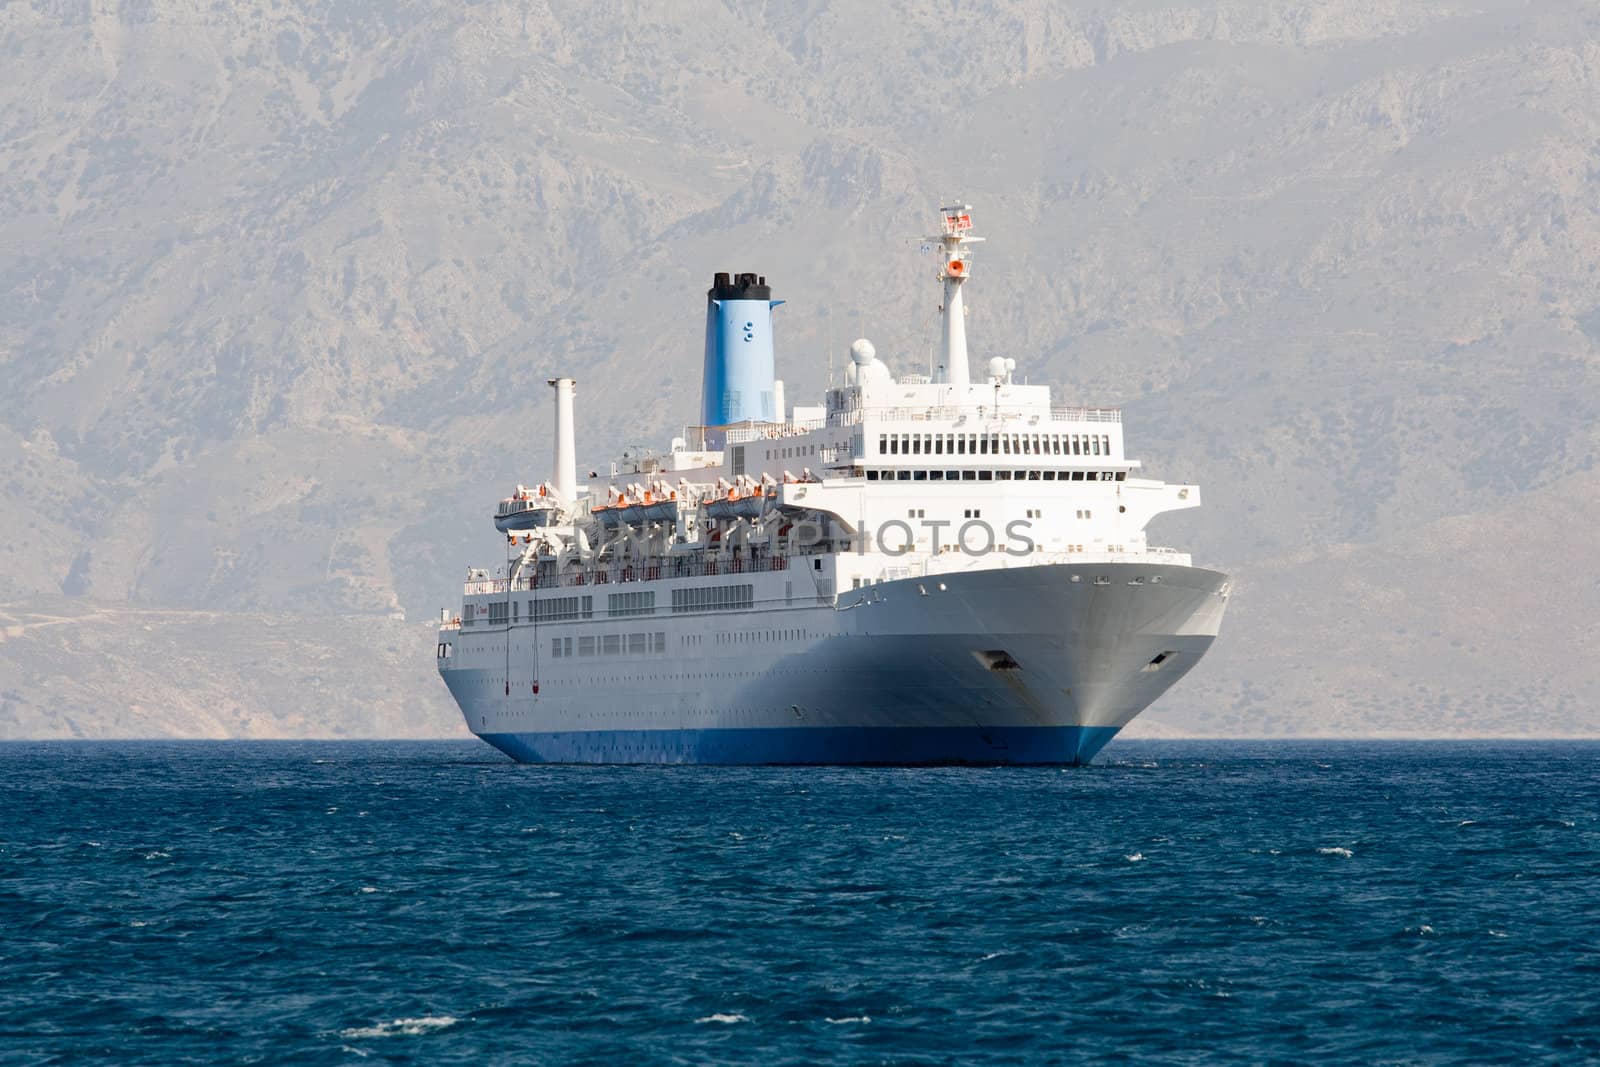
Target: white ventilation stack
[[565, 475], [777, 402]]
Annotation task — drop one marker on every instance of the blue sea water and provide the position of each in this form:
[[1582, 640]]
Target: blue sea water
[[433, 903]]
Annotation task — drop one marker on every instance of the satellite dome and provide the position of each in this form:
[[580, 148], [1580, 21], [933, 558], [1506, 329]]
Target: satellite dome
[[863, 352]]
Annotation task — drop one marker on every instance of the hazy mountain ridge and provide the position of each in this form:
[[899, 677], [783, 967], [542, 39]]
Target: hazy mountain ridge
[[280, 291]]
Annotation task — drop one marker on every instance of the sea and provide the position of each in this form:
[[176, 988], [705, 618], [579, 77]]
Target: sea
[[434, 903]]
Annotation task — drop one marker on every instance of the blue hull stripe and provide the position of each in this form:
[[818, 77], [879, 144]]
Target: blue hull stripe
[[821, 744]]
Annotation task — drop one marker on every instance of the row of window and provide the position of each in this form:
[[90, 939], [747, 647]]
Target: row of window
[[623, 604], [994, 444], [643, 644], [793, 452], [714, 598], [995, 476], [551, 609], [618, 605]]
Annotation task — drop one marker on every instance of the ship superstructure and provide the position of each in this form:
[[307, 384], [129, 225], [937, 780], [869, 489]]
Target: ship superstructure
[[921, 569]]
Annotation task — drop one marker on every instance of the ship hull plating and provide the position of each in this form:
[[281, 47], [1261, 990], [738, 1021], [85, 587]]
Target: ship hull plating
[[1009, 665]]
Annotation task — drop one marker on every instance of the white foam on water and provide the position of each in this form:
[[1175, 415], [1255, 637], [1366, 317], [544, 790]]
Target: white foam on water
[[369, 889], [1259, 920], [421, 1024], [722, 1017], [158, 855], [1497, 933], [849, 1019], [1424, 930], [351, 1048], [1135, 858], [736, 835], [141, 922], [1336, 851]]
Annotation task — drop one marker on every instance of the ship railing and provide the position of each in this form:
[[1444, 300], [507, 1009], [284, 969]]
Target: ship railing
[[984, 413]]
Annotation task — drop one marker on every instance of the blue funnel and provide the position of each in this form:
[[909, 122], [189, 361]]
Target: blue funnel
[[739, 370]]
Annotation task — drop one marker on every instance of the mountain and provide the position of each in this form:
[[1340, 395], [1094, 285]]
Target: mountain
[[279, 289]]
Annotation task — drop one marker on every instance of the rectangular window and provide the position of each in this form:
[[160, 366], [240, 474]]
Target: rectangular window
[[611, 645], [660, 643], [555, 647], [872, 476], [714, 598], [638, 644], [622, 604], [883, 443], [586, 646]]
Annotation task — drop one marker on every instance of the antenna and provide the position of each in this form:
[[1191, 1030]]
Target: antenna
[[830, 344]]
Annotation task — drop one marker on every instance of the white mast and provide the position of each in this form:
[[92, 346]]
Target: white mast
[[953, 239], [565, 475]]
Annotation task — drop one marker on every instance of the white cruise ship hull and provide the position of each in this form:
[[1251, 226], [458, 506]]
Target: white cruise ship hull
[[1007, 665]]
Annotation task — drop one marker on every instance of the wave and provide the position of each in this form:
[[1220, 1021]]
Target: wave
[[722, 1017], [1337, 850], [421, 1024], [849, 1019]]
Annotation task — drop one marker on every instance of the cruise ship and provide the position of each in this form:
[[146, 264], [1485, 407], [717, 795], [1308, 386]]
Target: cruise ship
[[925, 568]]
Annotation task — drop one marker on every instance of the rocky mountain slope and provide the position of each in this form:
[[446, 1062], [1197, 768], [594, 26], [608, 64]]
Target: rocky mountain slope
[[279, 289]]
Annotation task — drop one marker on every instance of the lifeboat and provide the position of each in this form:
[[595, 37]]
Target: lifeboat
[[527, 509], [736, 506], [656, 504]]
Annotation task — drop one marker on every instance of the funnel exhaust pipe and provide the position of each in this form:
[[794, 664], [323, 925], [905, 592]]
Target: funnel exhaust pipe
[[565, 473]]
